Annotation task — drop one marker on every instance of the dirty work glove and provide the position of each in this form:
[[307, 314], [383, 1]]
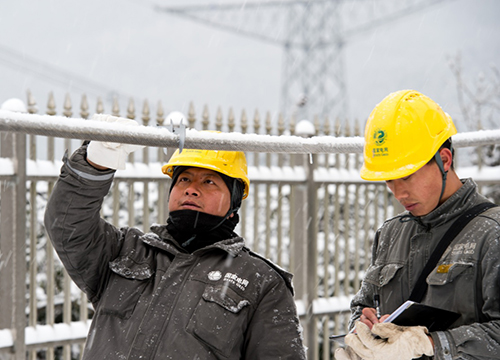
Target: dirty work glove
[[346, 354], [395, 342], [109, 154]]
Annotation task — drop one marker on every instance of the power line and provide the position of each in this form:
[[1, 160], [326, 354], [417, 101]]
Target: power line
[[55, 75], [312, 35]]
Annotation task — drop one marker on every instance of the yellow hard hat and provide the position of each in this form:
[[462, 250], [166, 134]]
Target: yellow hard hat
[[403, 132], [230, 163]]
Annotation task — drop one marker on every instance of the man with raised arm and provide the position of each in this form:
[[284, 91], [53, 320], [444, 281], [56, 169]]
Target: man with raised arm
[[189, 289]]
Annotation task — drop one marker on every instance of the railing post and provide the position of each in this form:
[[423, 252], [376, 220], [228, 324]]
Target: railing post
[[13, 244], [312, 260], [298, 262], [305, 242]]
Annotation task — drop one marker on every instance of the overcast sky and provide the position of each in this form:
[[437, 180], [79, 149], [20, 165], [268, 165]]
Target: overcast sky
[[132, 48]]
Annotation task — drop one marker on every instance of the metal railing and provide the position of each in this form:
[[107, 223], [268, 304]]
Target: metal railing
[[308, 211]]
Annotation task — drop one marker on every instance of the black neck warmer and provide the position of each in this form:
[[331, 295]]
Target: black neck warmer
[[194, 230]]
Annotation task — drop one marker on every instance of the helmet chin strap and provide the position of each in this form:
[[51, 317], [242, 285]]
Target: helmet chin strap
[[439, 162], [231, 209], [440, 165]]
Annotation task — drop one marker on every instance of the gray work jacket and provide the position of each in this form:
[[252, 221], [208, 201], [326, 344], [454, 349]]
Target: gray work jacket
[[152, 300], [466, 279]]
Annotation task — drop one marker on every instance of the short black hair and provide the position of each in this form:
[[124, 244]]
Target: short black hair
[[446, 145]]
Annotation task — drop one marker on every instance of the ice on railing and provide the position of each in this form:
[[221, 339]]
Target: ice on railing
[[485, 173], [41, 334], [331, 305], [289, 174], [43, 168], [6, 338], [327, 174], [78, 330], [57, 332], [6, 167]]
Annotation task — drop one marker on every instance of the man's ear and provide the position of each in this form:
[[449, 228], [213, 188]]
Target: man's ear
[[446, 158]]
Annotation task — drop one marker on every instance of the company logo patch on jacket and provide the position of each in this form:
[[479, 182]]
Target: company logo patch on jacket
[[467, 248], [214, 275], [236, 280]]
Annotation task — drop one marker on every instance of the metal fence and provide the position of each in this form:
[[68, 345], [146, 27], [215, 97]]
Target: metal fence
[[309, 213]]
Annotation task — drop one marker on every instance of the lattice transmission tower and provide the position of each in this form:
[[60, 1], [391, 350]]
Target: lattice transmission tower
[[312, 34]]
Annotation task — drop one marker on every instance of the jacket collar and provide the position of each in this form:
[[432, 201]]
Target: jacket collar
[[453, 207], [159, 237]]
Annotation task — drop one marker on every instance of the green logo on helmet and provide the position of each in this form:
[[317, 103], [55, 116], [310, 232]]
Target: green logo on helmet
[[379, 136]]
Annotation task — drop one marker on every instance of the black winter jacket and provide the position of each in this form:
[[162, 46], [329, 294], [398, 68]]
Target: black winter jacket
[[466, 279], [153, 300]]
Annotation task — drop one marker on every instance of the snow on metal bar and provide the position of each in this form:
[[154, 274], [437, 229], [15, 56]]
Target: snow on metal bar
[[6, 167], [77, 128], [6, 338], [40, 335], [476, 138]]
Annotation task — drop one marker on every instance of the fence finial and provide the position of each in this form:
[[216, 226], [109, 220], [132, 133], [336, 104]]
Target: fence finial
[[115, 110], [160, 114], [32, 109], [281, 124], [145, 113], [100, 106], [230, 120], [191, 115], [51, 105], [218, 119], [84, 107], [206, 118], [269, 127], [256, 121], [244, 121], [130, 109], [326, 126], [67, 106]]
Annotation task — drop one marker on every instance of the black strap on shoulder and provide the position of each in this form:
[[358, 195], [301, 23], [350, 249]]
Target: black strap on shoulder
[[421, 285]]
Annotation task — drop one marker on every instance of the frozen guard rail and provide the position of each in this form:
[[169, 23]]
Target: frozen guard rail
[[77, 128]]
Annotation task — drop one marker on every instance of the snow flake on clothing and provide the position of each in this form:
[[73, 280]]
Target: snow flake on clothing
[[128, 268]]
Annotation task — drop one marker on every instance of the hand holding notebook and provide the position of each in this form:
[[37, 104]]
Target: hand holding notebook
[[415, 314]]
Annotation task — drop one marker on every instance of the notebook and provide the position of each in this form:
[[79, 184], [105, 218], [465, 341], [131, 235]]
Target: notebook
[[416, 314]]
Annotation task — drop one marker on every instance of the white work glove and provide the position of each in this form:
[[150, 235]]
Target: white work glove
[[346, 354], [395, 342], [175, 118], [109, 154]]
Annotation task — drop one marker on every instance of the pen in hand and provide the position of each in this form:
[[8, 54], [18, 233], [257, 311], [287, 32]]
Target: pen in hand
[[376, 302]]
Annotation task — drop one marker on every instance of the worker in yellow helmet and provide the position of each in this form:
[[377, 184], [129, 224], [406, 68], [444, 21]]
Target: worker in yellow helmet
[[188, 289], [403, 133], [442, 251], [199, 213]]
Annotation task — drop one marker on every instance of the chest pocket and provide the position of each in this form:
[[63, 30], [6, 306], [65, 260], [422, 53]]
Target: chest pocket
[[447, 273], [454, 287], [220, 319], [381, 275], [126, 285]]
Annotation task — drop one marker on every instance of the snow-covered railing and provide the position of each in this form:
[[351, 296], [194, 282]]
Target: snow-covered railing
[[49, 170], [312, 214], [77, 128], [76, 331], [40, 336]]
